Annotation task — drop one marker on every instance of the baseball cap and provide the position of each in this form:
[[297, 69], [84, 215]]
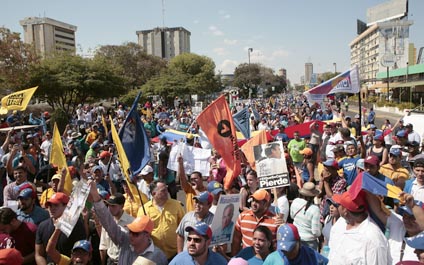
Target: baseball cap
[[260, 195], [10, 256], [331, 201], [409, 125], [95, 145], [26, 193], [395, 151], [116, 199], [361, 163], [201, 229], [141, 224], [96, 168], [57, 176], [413, 144], [338, 148], [372, 160], [416, 242], [401, 133], [215, 187], [348, 118], [146, 170], [104, 154], [204, 197], [306, 151], [379, 137], [419, 162], [104, 194], [356, 116], [58, 197], [84, 245], [287, 237], [358, 205], [331, 163]]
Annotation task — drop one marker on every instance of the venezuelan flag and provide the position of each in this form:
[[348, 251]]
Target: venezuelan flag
[[365, 181]]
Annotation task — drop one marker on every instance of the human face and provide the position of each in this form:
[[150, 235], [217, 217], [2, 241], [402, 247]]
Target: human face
[[351, 150], [161, 192], [80, 257], [251, 180], [115, 210], [259, 207], [195, 180], [98, 175], [138, 238], [260, 243], [419, 173], [196, 244], [296, 137], [55, 184], [394, 160], [372, 169], [201, 208], [334, 211], [26, 204], [227, 215], [276, 152], [56, 210], [20, 176]]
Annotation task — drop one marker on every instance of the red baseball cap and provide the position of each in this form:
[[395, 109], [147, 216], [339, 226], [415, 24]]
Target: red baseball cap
[[358, 205], [58, 197], [372, 160]]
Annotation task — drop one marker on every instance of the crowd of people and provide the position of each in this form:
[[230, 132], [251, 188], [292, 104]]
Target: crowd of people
[[313, 220]]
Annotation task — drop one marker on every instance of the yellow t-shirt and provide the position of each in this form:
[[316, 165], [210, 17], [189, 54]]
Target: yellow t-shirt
[[64, 260]]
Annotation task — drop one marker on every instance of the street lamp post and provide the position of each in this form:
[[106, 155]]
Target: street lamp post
[[335, 68], [249, 50]]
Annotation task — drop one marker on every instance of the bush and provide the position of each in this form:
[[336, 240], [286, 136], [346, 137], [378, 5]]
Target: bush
[[60, 116]]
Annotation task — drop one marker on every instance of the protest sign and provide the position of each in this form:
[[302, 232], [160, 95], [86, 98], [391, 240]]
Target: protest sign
[[225, 217], [271, 165], [195, 159], [74, 208]]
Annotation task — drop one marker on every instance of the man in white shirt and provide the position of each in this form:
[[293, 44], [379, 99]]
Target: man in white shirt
[[412, 135], [354, 238]]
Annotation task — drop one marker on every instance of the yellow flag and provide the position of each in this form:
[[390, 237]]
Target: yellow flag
[[125, 165], [57, 157], [17, 101], [104, 125]]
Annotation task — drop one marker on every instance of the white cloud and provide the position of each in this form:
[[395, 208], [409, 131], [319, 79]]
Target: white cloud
[[230, 42], [220, 51], [215, 31], [227, 16], [227, 66]]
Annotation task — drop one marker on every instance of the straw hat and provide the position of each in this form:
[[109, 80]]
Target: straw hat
[[309, 190]]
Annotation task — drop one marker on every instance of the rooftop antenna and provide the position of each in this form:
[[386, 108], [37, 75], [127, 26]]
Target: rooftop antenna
[[163, 14]]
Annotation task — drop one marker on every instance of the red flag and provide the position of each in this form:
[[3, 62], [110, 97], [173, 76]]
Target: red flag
[[217, 123]]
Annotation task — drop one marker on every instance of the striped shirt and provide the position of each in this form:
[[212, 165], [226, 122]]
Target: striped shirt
[[247, 222]]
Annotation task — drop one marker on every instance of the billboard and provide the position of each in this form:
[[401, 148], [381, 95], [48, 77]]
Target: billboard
[[387, 11]]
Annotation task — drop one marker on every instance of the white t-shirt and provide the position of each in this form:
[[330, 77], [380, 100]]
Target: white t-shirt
[[364, 244]]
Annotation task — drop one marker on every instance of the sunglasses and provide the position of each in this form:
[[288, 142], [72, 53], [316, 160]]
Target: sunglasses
[[195, 239]]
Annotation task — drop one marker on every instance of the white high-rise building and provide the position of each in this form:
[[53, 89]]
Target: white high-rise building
[[165, 42]]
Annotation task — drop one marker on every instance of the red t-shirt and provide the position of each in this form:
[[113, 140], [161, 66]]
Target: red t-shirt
[[25, 238]]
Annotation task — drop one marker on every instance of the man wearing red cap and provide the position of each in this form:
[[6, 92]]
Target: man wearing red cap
[[56, 206], [137, 242], [355, 239], [248, 220]]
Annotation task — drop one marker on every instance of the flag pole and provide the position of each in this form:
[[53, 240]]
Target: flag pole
[[138, 191]]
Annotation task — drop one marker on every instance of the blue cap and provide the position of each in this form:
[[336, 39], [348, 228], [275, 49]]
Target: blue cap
[[331, 163], [26, 193], [201, 229], [395, 151], [95, 145], [104, 194], [82, 244], [215, 187], [287, 237], [96, 168], [416, 242], [401, 133], [204, 197]]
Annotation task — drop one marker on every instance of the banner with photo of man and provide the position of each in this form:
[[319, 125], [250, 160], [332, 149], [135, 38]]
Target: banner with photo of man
[[225, 217], [271, 165]]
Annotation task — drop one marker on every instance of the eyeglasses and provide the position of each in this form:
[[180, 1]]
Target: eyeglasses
[[195, 239]]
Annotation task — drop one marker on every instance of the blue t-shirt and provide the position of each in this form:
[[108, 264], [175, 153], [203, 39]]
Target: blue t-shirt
[[249, 255], [185, 258], [306, 256], [349, 169]]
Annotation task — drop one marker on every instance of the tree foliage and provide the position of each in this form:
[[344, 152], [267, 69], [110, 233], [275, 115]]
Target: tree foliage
[[187, 74], [136, 66], [15, 59], [66, 80]]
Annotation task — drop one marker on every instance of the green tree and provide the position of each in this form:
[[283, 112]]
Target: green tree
[[66, 80], [326, 76], [15, 60], [186, 74], [136, 66]]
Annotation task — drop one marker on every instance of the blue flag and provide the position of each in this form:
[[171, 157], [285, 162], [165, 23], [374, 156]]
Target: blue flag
[[134, 139], [242, 122]]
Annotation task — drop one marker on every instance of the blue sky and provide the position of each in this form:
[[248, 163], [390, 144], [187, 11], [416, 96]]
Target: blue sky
[[282, 33]]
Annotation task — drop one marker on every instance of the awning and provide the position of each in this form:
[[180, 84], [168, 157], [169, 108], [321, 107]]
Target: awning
[[408, 84]]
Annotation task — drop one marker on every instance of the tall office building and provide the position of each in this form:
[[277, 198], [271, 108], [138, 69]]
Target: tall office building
[[165, 42], [309, 70], [282, 72], [49, 35], [382, 42]]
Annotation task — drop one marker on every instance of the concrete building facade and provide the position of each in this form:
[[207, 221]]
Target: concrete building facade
[[309, 70], [165, 42], [49, 35]]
